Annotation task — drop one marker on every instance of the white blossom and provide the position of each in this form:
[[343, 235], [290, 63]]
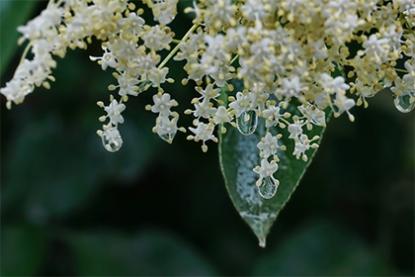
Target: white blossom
[[266, 168], [283, 62], [269, 145]]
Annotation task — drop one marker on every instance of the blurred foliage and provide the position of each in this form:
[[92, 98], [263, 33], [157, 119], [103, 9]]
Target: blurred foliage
[[150, 253], [23, 249], [322, 250], [70, 208]]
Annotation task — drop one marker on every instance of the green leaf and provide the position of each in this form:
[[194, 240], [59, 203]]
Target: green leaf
[[238, 155], [322, 249], [12, 14], [149, 253], [23, 249]]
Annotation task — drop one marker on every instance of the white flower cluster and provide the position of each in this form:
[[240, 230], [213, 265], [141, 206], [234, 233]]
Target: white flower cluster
[[296, 61]]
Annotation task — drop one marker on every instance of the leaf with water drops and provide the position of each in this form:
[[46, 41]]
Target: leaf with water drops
[[259, 206]]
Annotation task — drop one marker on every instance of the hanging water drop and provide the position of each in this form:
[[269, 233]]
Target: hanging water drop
[[111, 138], [111, 145], [167, 137], [405, 102], [268, 187], [247, 122]]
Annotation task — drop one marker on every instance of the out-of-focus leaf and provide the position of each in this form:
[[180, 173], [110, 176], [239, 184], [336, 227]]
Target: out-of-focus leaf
[[22, 250], [53, 169], [45, 175], [322, 249], [149, 253], [238, 155], [12, 14]]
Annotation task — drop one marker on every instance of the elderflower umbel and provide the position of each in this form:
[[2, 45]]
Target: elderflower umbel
[[295, 62]]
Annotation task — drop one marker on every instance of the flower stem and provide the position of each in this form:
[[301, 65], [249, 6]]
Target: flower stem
[[25, 52], [146, 84], [401, 70], [176, 49]]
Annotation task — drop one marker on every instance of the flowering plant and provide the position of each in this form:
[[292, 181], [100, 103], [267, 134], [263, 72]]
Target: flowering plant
[[274, 70]]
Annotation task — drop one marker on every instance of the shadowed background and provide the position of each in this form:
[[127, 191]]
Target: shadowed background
[[68, 207]]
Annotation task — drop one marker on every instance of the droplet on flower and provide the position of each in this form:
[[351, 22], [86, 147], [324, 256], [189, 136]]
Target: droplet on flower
[[247, 122], [268, 187], [167, 137], [405, 102], [112, 144]]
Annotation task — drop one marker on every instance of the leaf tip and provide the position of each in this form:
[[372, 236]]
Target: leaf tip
[[262, 242]]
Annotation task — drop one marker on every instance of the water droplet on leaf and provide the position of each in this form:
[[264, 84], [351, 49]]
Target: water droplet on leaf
[[268, 187], [405, 102], [247, 122]]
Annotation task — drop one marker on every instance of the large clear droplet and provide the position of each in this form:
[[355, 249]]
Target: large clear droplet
[[405, 102], [247, 123], [268, 187], [167, 137], [112, 145]]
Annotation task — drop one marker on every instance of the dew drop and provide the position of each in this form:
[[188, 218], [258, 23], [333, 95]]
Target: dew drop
[[268, 187], [112, 145], [247, 122], [167, 137], [405, 102]]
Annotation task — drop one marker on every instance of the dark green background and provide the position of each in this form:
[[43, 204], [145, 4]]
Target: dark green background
[[70, 208]]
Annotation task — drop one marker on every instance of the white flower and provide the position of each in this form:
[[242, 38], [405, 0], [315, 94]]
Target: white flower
[[203, 132], [166, 128], [163, 103], [210, 92], [132, 23], [266, 168], [333, 85], [313, 114], [15, 91], [268, 146], [164, 11], [157, 76], [291, 87], [221, 116], [302, 144], [272, 116], [114, 110], [295, 130], [344, 104], [157, 38], [377, 48], [241, 104], [127, 84], [107, 60], [111, 138], [254, 9], [204, 109], [43, 25], [320, 49]]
